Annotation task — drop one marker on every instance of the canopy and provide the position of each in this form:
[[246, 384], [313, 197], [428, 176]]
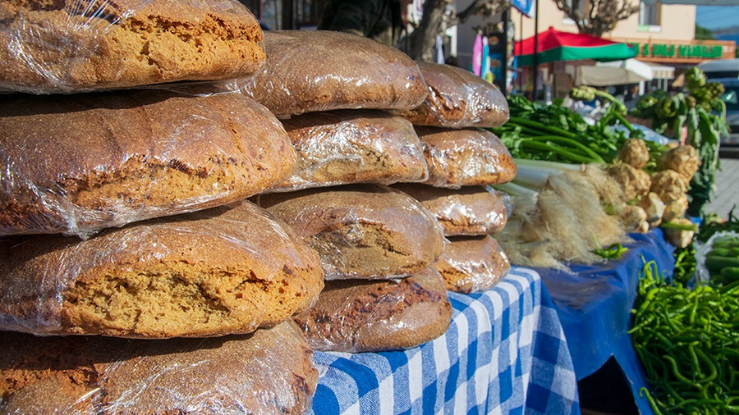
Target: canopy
[[563, 46], [629, 71]]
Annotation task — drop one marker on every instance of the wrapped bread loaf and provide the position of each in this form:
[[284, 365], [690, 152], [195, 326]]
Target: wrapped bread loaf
[[353, 146], [458, 98], [77, 164], [227, 270], [81, 45], [308, 71], [470, 210], [472, 264], [465, 157], [216, 376], [361, 231], [372, 316]]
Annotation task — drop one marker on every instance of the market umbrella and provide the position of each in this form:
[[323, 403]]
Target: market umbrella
[[563, 46], [629, 71]]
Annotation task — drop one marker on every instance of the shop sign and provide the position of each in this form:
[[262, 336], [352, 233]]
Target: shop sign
[[658, 50]]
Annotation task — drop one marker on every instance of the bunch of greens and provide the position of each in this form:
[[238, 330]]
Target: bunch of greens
[[688, 342], [554, 133]]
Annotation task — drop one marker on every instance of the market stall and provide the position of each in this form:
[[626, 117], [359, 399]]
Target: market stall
[[505, 352]]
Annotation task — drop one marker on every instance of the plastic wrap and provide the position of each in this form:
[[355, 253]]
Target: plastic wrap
[[702, 250], [84, 45], [471, 210], [458, 98], [364, 316], [353, 146], [77, 164], [465, 157], [472, 264], [227, 270], [361, 231], [267, 373], [308, 71]]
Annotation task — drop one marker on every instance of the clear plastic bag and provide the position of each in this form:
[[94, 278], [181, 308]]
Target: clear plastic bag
[[361, 231], [457, 99], [353, 146], [309, 71], [470, 210], [83, 45], [269, 372], [472, 264], [465, 157], [373, 316], [80, 163], [226, 270]]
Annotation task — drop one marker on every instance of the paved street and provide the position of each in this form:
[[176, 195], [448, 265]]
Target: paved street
[[727, 189]]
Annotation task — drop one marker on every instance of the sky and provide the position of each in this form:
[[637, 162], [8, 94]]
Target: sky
[[717, 17]]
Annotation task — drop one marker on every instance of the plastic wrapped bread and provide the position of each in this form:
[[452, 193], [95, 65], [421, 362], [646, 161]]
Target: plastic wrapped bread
[[76, 164], [472, 263], [308, 71], [82, 45], [353, 146], [465, 157], [372, 316], [361, 231], [458, 98], [227, 270], [470, 210], [216, 376]]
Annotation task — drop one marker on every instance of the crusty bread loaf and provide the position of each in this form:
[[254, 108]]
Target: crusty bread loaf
[[227, 270], [78, 45], [363, 316], [465, 157], [353, 146], [77, 164], [308, 71], [361, 231], [268, 372], [472, 263], [458, 98], [470, 210]]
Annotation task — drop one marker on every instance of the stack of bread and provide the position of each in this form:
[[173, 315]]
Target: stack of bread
[[464, 159], [134, 276], [333, 92]]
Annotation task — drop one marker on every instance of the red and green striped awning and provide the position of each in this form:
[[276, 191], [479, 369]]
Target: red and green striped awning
[[562, 46]]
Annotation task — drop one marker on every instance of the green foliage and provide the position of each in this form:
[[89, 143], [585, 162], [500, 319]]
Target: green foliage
[[702, 33]]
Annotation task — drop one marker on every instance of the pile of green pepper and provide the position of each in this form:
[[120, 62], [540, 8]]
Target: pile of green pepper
[[688, 342]]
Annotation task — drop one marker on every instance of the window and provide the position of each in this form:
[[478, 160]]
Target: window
[[731, 98], [649, 14]]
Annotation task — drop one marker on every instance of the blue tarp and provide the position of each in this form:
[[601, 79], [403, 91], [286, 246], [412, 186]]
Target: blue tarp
[[594, 303]]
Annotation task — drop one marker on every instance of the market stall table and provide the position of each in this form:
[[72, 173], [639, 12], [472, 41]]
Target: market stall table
[[504, 353], [594, 304]]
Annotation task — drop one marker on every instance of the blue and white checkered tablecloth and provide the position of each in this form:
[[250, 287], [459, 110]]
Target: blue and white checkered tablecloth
[[504, 353]]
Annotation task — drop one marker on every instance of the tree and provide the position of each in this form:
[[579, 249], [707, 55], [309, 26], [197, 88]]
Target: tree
[[701, 33], [597, 17], [436, 18]]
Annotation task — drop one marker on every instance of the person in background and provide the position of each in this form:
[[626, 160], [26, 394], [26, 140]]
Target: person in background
[[381, 20], [631, 96]]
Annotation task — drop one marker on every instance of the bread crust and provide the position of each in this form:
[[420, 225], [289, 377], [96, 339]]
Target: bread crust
[[227, 270], [372, 316], [308, 71], [458, 99], [361, 231], [77, 164], [216, 376], [465, 157], [73, 45]]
